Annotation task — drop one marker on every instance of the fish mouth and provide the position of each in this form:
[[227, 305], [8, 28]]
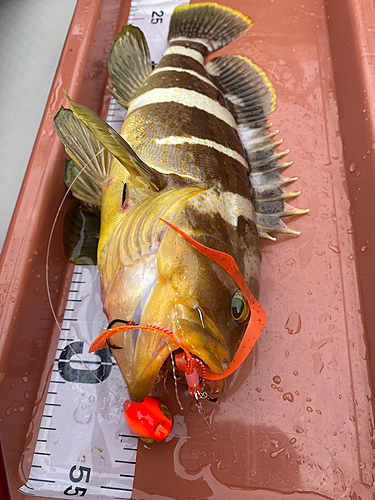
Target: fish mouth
[[151, 349]]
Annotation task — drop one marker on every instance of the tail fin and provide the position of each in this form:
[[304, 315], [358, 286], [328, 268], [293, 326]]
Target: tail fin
[[209, 24]]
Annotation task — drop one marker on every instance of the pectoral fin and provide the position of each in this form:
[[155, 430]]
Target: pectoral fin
[[88, 155], [81, 186], [116, 145]]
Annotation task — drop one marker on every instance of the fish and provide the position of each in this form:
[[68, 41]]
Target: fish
[[184, 193]]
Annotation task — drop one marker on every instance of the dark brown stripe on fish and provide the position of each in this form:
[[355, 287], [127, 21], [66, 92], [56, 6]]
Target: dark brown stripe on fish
[[178, 79], [189, 44], [179, 61], [175, 119], [197, 161]]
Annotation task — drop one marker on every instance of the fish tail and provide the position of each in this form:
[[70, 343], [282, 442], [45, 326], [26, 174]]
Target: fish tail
[[208, 25]]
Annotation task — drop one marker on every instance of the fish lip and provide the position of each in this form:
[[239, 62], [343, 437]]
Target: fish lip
[[211, 351], [202, 339]]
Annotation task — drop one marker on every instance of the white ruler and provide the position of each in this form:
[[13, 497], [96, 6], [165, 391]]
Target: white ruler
[[84, 446]]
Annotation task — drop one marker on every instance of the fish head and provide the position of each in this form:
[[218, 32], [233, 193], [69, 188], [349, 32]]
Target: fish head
[[195, 299]]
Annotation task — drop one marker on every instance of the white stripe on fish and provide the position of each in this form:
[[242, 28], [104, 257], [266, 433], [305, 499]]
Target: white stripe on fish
[[183, 51], [172, 140], [185, 97], [229, 205]]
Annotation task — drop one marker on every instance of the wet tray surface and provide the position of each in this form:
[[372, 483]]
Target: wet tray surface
[[297, 418]]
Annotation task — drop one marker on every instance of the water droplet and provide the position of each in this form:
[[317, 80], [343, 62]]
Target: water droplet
[[36, 289], [12, 385], [363, 249], [352, 167], [280, 389], [318, 411], [38, 275], [25, 379], [293, 441], [309, 409], [351, 257], [319, 253], [288, 396], [276, 379], [35, 252], [294, 323], [57, 290], [258, 389], [276, 453], [273, 386], [26, 395], [7, 412], [308, 400], [334, 248], [295, 373], [286, 353], [296, 393], [350, 231], [21, 408], [287, 455]]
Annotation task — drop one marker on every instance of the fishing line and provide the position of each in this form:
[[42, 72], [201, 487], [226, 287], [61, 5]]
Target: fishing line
[[84, 363], [175, 379]]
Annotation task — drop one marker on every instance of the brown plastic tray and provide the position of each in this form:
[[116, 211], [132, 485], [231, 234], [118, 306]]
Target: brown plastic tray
[[297, 418]]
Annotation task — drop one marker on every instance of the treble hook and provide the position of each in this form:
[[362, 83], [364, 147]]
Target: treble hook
[[198, 404], [204, 395]]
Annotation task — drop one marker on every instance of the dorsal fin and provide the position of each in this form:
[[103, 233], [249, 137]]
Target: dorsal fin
[[251, 98], [129, 64]]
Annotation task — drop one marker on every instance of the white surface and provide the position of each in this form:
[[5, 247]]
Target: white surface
[[84, 444], [32, 35]]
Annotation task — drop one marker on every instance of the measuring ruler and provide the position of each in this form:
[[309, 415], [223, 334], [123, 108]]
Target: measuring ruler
[[84, 446]]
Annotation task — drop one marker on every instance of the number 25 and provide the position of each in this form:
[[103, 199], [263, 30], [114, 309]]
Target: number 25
[[157, 18]]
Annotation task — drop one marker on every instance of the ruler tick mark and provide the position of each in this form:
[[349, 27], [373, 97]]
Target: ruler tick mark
[[113, 488], [41, 480]]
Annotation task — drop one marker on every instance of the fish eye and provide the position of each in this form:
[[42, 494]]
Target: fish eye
[[239, 308]]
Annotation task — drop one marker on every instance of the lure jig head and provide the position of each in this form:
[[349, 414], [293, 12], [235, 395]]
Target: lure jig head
[[150, 420]]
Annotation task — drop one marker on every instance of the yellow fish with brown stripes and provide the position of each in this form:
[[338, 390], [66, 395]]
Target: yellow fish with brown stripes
[[183, 195]]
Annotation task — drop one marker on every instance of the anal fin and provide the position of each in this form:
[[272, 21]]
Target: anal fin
[[251, 98]]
